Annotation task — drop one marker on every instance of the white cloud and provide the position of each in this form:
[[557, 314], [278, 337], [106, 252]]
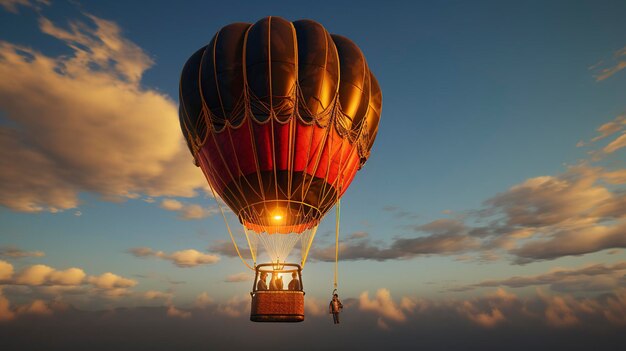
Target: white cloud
[[84, 123]]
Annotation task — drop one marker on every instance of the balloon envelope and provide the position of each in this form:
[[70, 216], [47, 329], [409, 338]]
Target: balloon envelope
[[279, 116]]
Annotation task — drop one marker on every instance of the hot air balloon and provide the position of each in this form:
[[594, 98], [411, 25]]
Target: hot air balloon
[[279, 116]]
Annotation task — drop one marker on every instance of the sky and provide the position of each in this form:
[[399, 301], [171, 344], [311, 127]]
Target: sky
[[492, 208]]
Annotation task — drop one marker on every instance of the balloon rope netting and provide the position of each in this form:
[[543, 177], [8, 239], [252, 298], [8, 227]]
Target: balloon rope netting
[[242, 186], [276, 245], [279, 246]]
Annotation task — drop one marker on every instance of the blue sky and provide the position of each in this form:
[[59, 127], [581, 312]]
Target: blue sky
[[499, 154]]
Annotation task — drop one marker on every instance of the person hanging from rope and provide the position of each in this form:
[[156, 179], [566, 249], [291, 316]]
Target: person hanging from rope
[[335, 307]]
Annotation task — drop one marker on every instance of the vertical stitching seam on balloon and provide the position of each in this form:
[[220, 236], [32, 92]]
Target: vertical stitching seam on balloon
[[292, 120], [333, 112], [217, 85], [247, 113], [271, 93]]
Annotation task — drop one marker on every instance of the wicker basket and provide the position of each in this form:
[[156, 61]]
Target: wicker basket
[[277, 306]]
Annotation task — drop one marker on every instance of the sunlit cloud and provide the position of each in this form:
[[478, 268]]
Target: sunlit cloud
[[6, 314], [6, 271], [239, 277], [168, 301], [234, 307], [616, 144], [382, 304], [610, 128], [615, 177], [487, 319], [188, 211], [615, 129], [399, 213], [500, 307], [184, 258], [570, 242], [49, 280], [111, 281], [203, 300], [315, 307], [577, 212], [445, 237], [226, 248], [37, 307], [595, 277], [172, 311], [157, 295], [357, 235], [560, 311], [16, 252], [12, 5], [604, 70], [40, 274], [85, 123], [45, 287]]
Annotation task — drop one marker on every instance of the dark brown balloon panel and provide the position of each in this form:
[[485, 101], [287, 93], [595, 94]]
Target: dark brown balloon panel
[[279, 116]]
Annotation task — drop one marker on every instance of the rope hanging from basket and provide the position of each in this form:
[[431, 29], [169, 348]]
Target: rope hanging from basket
[[337, 243]]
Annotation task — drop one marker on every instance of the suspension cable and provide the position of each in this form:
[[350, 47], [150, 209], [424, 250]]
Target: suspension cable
[[232, 238]]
